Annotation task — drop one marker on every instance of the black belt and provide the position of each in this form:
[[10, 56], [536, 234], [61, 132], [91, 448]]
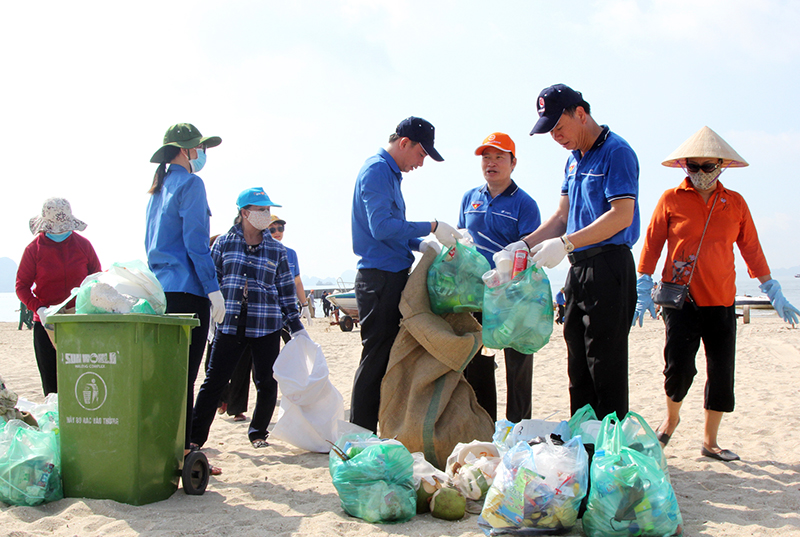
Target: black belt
[[574, 257]]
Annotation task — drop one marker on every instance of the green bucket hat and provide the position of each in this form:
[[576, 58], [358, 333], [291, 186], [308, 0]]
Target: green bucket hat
[[186, 136]]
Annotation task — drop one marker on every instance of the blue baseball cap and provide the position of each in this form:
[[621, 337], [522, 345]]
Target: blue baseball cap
[[418, 130], [551, 104], [254, 196]]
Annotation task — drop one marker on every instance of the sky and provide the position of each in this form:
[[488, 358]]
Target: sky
[[301, 93]]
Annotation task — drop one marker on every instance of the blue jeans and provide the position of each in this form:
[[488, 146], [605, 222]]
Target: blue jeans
[[225, 354]]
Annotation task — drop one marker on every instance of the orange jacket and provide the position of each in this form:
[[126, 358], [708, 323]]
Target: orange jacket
[[679, 219]]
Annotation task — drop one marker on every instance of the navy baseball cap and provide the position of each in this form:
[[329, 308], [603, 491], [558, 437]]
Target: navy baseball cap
[[418, 130], [255, 196], [551, 104]]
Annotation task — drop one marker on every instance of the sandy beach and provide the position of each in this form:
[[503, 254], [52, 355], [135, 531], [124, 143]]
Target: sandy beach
[[282, 490]]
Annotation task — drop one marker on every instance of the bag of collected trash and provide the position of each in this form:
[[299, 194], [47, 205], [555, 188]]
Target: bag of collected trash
[[634, 433], [471, 467], [374, 478], [311, 407], [519, 314], [508, 434], [630, 495], [454, 280], [30, 457], [124, 288], [585, 423], [537, 489]]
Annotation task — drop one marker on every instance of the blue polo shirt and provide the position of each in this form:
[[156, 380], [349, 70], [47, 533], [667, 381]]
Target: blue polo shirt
[[382, 237], [506, 218], [294, 264], [608, 171]]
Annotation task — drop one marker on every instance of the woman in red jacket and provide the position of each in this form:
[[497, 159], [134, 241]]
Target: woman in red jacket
[[52, 264]]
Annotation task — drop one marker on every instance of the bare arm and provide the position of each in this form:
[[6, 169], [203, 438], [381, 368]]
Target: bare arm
[[301, 292], [610, 223], [555, 226]]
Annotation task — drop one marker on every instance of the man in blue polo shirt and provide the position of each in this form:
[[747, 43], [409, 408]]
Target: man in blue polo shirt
[[385, 240], [595, 225], [496, 213]]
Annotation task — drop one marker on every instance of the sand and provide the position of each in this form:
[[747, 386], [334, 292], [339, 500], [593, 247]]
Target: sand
[[281, 490]]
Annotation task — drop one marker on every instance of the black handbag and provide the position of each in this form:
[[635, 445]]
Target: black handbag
[[674, 295]]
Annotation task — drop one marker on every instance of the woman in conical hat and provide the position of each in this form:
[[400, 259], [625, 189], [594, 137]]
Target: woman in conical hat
[[700, 220]]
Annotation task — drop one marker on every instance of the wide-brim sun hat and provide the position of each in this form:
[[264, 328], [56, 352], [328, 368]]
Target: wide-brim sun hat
[[185, 136], [56, 217], [705, 143]]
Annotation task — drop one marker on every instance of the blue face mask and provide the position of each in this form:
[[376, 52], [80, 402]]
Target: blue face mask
[[58, 237], [198, 163]]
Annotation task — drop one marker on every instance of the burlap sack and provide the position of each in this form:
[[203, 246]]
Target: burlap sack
[[425, 400]]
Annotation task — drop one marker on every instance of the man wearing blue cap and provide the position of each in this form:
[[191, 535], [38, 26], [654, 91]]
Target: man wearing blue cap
[[595, 226], [384, 240]]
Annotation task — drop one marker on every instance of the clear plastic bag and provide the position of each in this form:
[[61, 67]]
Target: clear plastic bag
[[374, 478], [454, 280], [519, 314], [631, 494], [585, 423], [124, 288], [537, 489], [471, 467], [508, 434]]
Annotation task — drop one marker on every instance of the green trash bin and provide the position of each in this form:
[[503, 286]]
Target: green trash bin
[[122, 404]]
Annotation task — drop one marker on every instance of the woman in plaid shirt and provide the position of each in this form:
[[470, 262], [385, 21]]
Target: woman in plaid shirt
[[254, 277]]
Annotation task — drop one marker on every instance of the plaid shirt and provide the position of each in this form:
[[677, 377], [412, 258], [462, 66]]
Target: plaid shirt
[[264, 269]]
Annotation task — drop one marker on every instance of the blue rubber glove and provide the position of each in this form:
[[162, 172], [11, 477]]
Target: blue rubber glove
[[644, 301], [785, 310]]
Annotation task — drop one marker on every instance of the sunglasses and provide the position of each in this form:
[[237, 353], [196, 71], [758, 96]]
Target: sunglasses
[[274, 230], [708, 167]]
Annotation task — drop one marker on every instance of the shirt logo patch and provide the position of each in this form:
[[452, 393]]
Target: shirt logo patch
[[476, 204], [571, 167]]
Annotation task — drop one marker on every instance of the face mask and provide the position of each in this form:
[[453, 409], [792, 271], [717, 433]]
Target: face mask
[[58, 237], [702, 180], [259, 219], [198, 163]]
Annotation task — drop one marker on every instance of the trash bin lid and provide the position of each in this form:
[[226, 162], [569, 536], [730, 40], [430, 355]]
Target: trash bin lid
[[185, 319]]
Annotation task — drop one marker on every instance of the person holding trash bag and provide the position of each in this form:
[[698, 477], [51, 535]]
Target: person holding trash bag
[[253, 271], [700, 220], [57, 260], [177, 237], [595, 226], [384, 240], [495, 214]]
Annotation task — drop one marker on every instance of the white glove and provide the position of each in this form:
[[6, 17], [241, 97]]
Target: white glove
[[217, 306], [446, 234], [424, 246], [299, 333], [42, 313], [514, 246], [549, 253], [306, 312]]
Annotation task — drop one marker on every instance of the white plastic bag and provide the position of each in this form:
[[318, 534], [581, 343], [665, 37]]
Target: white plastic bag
[[311, 407]]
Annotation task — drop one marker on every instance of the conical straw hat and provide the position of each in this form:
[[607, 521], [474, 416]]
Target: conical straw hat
[[705, 143]]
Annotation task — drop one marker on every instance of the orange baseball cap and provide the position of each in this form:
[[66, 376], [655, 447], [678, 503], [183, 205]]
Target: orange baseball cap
[[498, 140]]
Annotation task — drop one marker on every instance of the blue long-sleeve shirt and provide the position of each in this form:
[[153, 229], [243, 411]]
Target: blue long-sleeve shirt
[[382, 237], [271, 294], [177, 234]]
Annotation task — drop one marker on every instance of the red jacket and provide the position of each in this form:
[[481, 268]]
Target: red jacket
[[49, 270]]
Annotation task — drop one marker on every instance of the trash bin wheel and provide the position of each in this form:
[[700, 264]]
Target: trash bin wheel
[[195, 473], [346, 323]]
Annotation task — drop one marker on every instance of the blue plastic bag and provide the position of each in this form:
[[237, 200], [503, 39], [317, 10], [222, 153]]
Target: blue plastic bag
[[519, 314], [454, 280]]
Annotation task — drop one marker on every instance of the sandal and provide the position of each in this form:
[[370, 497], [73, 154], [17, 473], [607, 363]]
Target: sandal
[[214, 470], [239, 417], [260, 443]]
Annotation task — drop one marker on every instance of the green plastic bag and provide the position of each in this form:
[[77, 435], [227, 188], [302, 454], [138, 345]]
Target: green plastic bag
[[630, 493], [124, 288], [584, 422], [374, 478], [30, 462], [519, 314], [454, 280]]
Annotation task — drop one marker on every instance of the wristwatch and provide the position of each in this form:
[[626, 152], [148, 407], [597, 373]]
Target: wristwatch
[[568, 246]]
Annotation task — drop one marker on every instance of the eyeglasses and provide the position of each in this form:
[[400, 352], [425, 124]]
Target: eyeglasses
[[708, 167], [274, 230]]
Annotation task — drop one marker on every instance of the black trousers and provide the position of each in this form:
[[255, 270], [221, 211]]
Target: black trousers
[[237, 392], [601, 298], [201, 307], [378, 297], [716, 326], [45, 358], [226, 353], [519, 382]]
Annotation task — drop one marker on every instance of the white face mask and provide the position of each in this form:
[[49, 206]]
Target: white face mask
[[702, 180], [259, 219]]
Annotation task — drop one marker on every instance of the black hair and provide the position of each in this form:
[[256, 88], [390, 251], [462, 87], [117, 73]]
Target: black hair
[[570, 110], [394, 137], [170, 152]]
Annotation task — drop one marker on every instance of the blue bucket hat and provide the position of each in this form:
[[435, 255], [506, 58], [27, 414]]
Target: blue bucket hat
[[254, 196]]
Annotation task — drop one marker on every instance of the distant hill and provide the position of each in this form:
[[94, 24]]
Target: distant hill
[[8, 274], [348, 277]]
